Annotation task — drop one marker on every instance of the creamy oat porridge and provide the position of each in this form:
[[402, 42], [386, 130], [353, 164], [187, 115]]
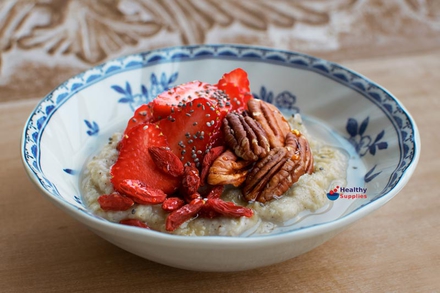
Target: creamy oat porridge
[[309, 193], [257, 171]]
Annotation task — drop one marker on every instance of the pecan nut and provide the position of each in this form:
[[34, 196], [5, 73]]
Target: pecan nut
[[272, 121], [228, 169], [273, 175], [245, 136], [300, 151]]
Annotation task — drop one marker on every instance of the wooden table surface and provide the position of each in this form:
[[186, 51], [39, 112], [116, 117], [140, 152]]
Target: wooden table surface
[[395, 249]]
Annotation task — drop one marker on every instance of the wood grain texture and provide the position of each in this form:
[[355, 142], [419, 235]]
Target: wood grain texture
[[396, 249], [55, 39]]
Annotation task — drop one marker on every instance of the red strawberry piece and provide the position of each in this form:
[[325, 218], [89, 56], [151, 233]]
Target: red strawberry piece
[[142, 115], [192, 129], [167, 102], [236, 86], [135, 162]]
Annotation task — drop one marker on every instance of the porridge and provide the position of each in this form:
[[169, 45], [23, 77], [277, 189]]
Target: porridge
[[259, 178]]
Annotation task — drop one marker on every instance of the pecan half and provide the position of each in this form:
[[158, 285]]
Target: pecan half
[[245, 136], [228, 169], [273, 175], [271, 120]]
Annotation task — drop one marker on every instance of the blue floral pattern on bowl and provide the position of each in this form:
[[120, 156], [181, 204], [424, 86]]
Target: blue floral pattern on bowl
[[146, 94]]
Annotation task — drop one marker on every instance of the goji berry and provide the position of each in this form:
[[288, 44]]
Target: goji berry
[[216, 191], [191, 197], [208, 212], [208, 159], [166, 160], [190, 180], [134, 222], [142, 193], [115, 202], [172, 203], [178, 217], [227, 208]]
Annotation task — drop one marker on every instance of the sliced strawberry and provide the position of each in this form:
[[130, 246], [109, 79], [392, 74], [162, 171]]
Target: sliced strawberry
[[142, 115], [236, 86], [169, 101], [192, 129], [135, 162]]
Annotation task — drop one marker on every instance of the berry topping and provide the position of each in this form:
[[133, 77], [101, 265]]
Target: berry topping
[[135, 162], [173, 99], [192, 129], [142, 115], [236, 86]]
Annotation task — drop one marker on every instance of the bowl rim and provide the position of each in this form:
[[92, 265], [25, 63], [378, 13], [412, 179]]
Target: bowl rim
[[307, 231]]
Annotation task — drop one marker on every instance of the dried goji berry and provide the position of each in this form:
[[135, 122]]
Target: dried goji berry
[[115, 202], [141, 193], [227, 208], [190, 180], [208, 212], [216, 191], [166, 160], [172, 203], [134, 222], [178, 217], [193, 196], [208, 159]]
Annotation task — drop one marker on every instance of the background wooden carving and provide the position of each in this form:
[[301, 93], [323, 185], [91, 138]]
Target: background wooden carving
[[44, 42]]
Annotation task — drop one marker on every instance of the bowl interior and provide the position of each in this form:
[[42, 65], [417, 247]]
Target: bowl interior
[[347, 110]]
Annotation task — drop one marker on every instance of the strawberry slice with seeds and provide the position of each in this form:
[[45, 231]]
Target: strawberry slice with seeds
[[192, 129], [135, 162], [142, 115], [236, 86], [169, 101]]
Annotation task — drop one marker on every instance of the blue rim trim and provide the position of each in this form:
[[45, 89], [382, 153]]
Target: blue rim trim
[[391, 107]]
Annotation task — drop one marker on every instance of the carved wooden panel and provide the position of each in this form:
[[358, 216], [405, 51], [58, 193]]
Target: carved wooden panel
[[43, 42]]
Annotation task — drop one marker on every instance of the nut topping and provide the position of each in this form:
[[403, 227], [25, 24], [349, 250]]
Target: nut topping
[[271, 120], [228, 169], [245, 136], [265, 155], [275, 174], [261, 174]]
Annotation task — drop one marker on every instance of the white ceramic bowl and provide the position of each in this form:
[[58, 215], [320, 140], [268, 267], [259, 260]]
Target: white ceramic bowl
[[338, 105]]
